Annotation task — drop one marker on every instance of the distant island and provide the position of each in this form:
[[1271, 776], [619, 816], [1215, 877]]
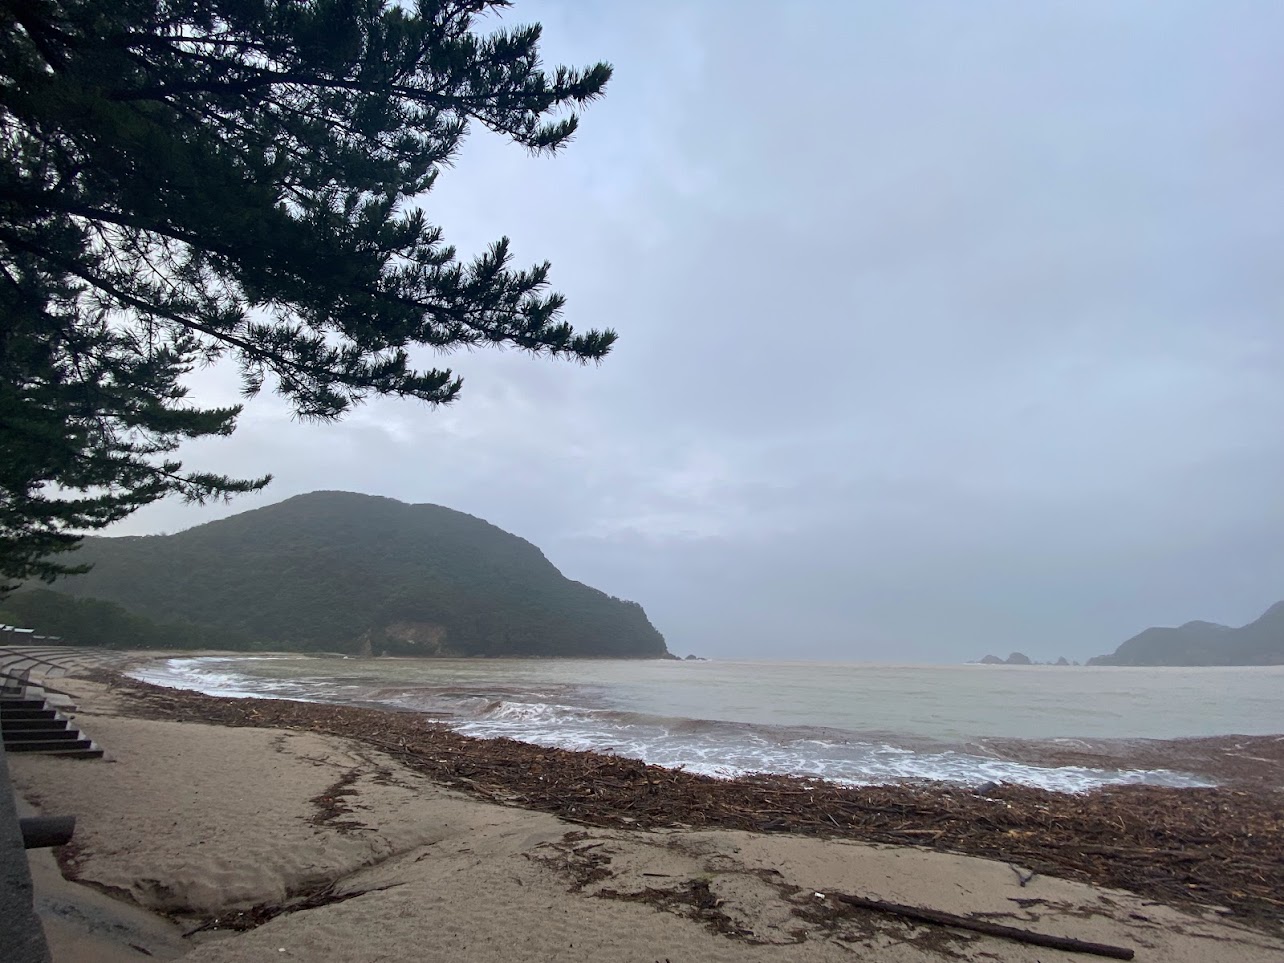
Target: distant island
[[1206, 643], [338, 572], [1016, 658], [1020, 658]]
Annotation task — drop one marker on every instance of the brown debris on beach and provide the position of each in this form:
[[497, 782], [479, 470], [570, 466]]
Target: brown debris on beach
[[1218, 847]]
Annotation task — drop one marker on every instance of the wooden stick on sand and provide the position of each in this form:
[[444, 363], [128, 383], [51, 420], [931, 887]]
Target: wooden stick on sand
[[990, 929]]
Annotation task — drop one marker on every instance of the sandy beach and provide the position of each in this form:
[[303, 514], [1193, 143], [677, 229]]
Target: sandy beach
[[230, 844]]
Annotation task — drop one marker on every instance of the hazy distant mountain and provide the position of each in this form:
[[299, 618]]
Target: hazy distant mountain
[[336, 570], [1016, 658], [1206, 643]]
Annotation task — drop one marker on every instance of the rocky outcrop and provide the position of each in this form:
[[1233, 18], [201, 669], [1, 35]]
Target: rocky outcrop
[[1016, 658]]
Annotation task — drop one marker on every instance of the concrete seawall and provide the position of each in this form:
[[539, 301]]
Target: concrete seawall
[[22, 939]]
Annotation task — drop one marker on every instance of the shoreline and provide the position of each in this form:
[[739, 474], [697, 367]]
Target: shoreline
[[718, 745], [1234, 761], [1218, 846], [281, 830]]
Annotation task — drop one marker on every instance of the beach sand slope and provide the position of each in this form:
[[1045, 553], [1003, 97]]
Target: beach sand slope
[[202, 822]]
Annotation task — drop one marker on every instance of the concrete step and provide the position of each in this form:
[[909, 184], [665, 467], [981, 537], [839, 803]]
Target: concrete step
[[16, 725], [39, 735], [44, 745], [93, 752], [7, 715], [20, 702]]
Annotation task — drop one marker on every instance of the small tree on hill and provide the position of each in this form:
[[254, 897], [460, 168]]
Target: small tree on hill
[[188, 180]]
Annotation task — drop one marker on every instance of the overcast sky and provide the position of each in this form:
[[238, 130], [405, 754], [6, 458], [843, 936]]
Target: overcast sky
[[945, 329]]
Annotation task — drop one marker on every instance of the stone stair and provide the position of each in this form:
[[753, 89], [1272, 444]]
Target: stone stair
[[29, 724]]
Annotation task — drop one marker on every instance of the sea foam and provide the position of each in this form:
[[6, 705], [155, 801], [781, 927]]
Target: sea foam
[[715, 748]]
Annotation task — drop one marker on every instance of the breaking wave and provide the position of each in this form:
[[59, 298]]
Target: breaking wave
[[557, 717]]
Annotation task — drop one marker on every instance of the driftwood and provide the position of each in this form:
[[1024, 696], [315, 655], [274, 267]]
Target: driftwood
[[940, 918]]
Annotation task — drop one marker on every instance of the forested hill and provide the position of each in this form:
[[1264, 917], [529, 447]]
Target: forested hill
[[353, 573], [1206, 643]]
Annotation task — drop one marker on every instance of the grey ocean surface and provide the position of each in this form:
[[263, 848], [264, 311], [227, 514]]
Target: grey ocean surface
[[852, 723]]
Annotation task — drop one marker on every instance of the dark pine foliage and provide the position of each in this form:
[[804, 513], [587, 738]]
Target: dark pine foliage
[[183, 181]]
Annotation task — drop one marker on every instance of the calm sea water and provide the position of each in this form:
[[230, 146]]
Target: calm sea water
[[847, 722]]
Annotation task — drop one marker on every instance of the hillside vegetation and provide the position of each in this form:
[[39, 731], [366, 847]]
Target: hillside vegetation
[[91, 621], [357, 573], [1261, 642]]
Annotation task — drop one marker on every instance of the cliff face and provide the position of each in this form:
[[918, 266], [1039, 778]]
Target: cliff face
[[1205, 643], [352, 572]]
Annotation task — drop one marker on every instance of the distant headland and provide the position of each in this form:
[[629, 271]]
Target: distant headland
[[338, 572], [1260, 642]]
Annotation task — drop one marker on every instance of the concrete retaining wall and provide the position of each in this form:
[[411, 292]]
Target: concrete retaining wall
[[22, 940]]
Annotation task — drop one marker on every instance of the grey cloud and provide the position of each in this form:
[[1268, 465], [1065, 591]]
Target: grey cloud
[[946, 328]]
